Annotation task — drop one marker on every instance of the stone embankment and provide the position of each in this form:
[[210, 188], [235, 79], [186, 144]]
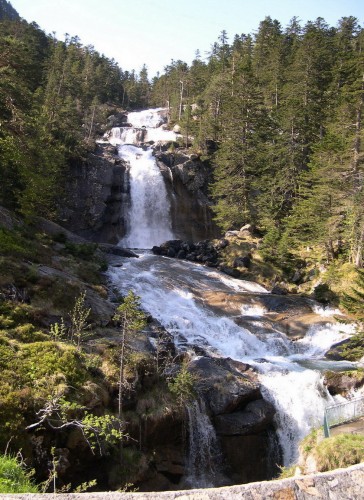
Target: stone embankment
[[341, 484]]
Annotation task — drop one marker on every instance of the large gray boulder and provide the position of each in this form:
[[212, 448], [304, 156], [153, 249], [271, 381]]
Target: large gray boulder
[[255, 417]]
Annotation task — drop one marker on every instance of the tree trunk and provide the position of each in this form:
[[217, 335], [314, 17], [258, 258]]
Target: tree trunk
[[121, 373]]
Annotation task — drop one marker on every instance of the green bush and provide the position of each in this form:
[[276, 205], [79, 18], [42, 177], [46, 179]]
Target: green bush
[[43, 359], [14, 245], [81, 250], [13, 478]]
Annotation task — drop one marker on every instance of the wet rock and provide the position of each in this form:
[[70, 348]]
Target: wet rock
[[181, 254], [279, 290], [234, 273], [117, 120], [343, 382], [115, 250], [225, 385], [255, 417], [187, 179]]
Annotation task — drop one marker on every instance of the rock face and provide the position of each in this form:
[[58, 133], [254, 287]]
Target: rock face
[[187, 179], [243, 420], [97, 196]]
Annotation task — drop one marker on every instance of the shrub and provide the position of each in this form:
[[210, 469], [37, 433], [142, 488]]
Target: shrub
[[43, 359], [13, 478], [81, 250], [14, 245]]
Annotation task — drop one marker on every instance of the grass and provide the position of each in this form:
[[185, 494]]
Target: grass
[[339, 451], [13, 478]]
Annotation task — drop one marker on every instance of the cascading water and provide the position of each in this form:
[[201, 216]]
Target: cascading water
[[148, 221], [173, 292], [203, 448]]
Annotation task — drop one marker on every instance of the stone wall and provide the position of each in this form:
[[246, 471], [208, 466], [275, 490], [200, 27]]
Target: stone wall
[[341, 484]]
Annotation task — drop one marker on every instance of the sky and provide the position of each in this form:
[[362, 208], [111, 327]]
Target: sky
[[153, 32]]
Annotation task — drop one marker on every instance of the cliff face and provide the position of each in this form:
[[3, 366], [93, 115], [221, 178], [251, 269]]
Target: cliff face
[[187, 179], [97, 196]]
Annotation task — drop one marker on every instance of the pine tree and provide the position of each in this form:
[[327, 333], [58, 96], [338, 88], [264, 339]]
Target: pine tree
[[131, 320]]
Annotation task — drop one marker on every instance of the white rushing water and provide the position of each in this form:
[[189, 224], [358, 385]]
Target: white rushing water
[[148, 221], [201, 471], [171, 291]]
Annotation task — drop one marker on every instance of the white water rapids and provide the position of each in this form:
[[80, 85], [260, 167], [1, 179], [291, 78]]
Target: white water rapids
[[172, 291]]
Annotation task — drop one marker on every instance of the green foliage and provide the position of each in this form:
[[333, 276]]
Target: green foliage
[[353, 349], [52, 94], [182, 386], [280, 115], [81, 250], [12, 244], [131, 320], [40, 360], [339, 451], [354, 301], [58, 331], [78, 329], [103, 431], [129, 314], [13, 478], [286, 472]]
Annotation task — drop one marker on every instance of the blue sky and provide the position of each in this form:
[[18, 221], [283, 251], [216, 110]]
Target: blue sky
[[153, 32]]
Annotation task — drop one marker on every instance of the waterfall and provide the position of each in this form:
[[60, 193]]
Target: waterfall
[[148, 221], [203, 451], [171, 290]]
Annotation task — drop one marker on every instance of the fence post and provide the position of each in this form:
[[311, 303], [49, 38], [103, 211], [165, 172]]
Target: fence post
[[326, 426]]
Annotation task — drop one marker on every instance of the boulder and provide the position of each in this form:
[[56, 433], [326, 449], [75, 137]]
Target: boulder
[[116, 250], [8, 220], [343, 382], [244, 261], [255, 417], [225, 385]]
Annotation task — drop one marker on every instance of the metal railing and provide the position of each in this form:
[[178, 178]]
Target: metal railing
[[341, 413]]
